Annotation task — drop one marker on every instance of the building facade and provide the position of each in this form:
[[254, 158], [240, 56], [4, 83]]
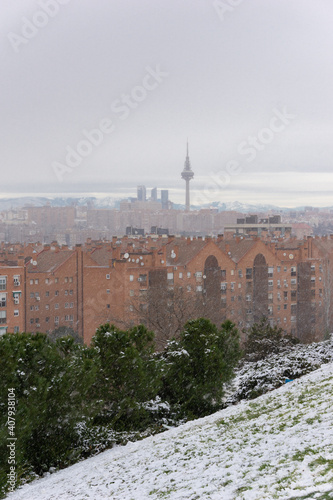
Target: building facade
[[165, 280]]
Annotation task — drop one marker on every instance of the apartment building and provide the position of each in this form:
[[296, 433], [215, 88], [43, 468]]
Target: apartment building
[[133, 279]]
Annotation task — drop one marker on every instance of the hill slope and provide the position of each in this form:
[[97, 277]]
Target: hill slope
[[277, 446]]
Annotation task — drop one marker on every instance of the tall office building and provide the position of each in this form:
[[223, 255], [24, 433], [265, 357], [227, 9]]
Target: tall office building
[[153, 195], [165, 198], [141, 193], [187, 175]]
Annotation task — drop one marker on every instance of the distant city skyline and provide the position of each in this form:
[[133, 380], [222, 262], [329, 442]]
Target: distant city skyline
[[101, 97]]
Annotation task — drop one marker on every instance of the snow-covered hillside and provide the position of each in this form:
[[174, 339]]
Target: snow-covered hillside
[[279, 445]]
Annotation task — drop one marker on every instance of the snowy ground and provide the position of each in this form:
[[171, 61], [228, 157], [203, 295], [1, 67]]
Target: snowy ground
[[279, 445]]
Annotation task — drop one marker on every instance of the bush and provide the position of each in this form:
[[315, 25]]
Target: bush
[[264, 339]]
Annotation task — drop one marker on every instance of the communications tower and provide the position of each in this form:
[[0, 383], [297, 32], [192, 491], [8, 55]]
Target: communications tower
[[187, 175]]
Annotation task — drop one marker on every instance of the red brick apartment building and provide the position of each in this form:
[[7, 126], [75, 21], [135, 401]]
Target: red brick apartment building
[[125, 281]]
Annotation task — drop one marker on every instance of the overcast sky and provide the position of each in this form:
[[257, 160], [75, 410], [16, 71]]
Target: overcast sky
[[126, 82]]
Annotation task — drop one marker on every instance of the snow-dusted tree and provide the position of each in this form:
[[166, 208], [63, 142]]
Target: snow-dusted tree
[[51, 382], [128, 374], [198, 364]]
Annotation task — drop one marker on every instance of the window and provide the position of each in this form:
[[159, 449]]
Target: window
[[47, 281], [198, 274], [270, 297], [71, 279], [66, 305], [36, 308], [223, 274], [270, 272], [285, 306], [66, 280], [188, 274], [240, 273], [37, 295], [108, 290], [3, 299], [70, 292], [71, 317], [108, 306], [285, 295], [3, 282], [47, 294], [47, 319], [3, 317], [66, 292], [32, 308], [223, 287], [107, 276], [56, 293], [170, 276], [293, 281], [188, 288], [249, 273], [56, 280], [239, 285], [199, 288], [36, 282], [232, 272], [71, 305], [293, 309], [31, 321], [248, 298], [131, 278], [285, 269], [56, 306], [278, 283], [32, 295], [47, 307], [180, 275], [67, 317], [293, 271], [16, 280], [270, 283], [16, 312], [16, 329], [278, 269], [31, 282], [293, 294], [232, 286], [56, 319]]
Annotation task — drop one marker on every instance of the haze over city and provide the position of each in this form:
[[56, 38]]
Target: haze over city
[[98, 97]]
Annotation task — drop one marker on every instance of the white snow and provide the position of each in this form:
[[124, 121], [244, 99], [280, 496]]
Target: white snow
[[279, 445]]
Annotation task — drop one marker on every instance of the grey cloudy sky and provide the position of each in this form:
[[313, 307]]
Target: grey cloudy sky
[[248, 82]]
